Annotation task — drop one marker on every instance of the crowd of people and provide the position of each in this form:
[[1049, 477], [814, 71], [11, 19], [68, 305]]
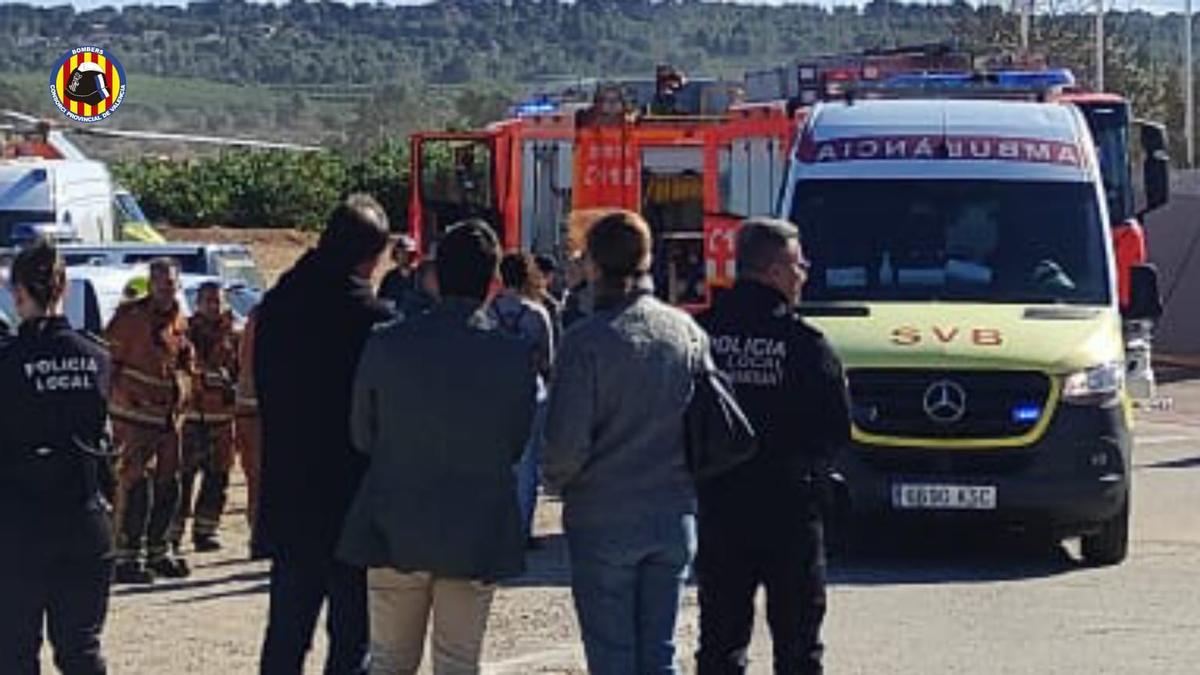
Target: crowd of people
[[395, 441]]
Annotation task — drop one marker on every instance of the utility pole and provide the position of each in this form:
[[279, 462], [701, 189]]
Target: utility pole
[[1189, 105], [1026, 7], [1099, 45]]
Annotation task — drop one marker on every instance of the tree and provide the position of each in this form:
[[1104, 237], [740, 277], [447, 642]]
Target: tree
[[456, 71], [478, 108]]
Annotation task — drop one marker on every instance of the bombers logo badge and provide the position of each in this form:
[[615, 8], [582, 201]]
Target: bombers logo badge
[[87, 84]]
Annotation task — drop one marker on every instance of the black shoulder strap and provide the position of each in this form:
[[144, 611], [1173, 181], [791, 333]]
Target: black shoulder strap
[[511, 321]]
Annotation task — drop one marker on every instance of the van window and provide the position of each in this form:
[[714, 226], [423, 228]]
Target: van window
[[8, 308], [10, 219], [128, 210], [189, 263], [964, 240], [75, 259], [239, 269]]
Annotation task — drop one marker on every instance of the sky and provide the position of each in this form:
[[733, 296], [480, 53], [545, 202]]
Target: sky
[[1156, 6]]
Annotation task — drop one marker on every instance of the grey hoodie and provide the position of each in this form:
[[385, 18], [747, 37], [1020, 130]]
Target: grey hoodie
[[614, 427]]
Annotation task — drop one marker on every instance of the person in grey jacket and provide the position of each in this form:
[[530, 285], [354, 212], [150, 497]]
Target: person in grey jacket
[[614, 448], [442, 405]]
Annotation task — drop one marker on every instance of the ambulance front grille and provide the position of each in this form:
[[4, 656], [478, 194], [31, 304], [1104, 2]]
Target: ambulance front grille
[[948, 404]]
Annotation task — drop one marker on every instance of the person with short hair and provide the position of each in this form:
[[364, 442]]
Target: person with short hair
[[552, 294], [55, 481], [579, 297], [761, 522], [208, 430], [442, 406], [310, 331], [153, 366], [402, 284], [614, 449]]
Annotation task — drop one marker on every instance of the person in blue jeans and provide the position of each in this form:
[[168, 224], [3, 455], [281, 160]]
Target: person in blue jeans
[[518, 311], [614, 449]]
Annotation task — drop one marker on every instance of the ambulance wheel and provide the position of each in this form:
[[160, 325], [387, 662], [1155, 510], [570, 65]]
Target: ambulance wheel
[[1110, 544]]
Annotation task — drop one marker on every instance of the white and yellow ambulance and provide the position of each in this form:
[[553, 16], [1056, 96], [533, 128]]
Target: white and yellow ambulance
[[963, 269]]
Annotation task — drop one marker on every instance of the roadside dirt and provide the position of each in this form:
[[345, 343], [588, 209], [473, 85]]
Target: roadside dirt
[[274, 249]]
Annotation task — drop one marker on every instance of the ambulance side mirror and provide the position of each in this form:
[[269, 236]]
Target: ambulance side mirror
[[1156, 164], [1145, 300]]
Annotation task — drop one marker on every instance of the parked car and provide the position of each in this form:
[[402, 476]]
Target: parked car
[[232, 263], [93, 295]]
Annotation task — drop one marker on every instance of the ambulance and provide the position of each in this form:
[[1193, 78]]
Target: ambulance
[[963, 269]]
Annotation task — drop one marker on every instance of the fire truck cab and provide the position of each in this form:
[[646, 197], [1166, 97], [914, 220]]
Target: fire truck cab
[[686, 154]]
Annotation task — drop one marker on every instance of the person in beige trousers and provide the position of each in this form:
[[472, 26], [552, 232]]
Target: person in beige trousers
[[442, 403]]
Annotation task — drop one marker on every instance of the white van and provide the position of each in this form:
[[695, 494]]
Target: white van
[[233, 264], [66, 199]]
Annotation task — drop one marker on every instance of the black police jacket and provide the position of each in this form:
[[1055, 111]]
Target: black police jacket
[[791, 386], [53, 470]]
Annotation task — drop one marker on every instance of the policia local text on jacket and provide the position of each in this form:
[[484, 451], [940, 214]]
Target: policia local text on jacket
[[761, 522], [57, 559]]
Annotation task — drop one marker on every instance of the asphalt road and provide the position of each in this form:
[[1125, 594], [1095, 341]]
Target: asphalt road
[[938, 603]]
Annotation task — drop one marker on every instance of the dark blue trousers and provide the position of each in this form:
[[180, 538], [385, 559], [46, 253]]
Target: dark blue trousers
[[69, 593], [299, 587]]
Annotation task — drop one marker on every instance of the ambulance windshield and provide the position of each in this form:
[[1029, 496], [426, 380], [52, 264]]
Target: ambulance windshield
[[960, 240]]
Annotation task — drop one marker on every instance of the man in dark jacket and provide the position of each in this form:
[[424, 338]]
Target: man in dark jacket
[[311, 329], [761, 522], [402, 285], [442, 404]]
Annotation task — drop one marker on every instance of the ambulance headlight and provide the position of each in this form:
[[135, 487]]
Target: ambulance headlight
[[1094, 385]]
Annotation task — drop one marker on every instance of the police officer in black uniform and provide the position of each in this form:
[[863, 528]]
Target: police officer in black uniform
[[761, 523], [56, 566]]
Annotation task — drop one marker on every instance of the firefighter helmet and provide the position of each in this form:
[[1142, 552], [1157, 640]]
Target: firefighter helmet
[[87, 84]]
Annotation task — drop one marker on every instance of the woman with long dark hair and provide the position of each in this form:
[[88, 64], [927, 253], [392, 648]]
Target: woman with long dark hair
[[54, 475]]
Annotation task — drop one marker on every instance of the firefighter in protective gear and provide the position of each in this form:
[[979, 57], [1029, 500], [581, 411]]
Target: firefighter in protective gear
[[153, 362], [208, 430], [247, 428]]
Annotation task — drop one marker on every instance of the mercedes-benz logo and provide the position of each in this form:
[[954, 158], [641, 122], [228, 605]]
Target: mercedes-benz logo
[[945, 402]]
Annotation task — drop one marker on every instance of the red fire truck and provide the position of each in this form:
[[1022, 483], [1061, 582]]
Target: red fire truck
[[695, 157], [692, 161]]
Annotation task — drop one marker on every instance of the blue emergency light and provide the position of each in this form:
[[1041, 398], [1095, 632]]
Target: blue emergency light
[[1003, 79], [537, 106], [1026, 413]]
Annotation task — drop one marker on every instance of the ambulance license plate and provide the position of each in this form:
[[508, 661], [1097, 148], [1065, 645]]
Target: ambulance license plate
[[935, 496]]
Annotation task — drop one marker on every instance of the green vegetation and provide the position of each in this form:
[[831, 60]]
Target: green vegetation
[[359, 78], [264, 189]]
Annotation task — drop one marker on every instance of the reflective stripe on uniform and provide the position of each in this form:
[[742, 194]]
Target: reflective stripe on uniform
[[203, 526], [213, 419], [137, 417], [148, 380]]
